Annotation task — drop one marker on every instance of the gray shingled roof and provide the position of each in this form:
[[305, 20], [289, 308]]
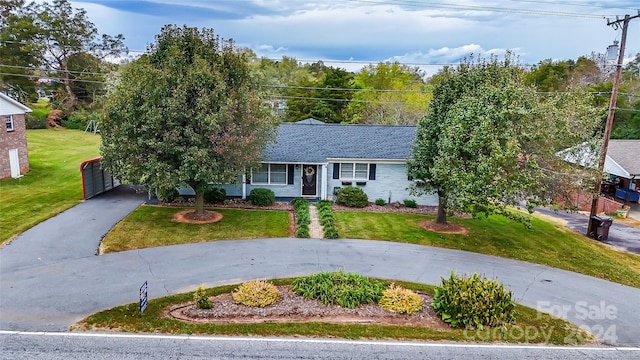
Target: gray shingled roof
[[626, 153], [315, 142]]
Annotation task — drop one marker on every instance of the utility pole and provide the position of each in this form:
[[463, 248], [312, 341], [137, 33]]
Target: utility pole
[[612, 109]]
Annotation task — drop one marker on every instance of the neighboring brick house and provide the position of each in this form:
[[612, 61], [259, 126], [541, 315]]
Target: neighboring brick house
[[14, 159]]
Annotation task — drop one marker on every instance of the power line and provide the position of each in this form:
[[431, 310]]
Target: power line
[[429, 4], [56, 70]]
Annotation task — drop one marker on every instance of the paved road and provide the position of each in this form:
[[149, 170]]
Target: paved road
[[69, 346], [50, 277], [621, 236]]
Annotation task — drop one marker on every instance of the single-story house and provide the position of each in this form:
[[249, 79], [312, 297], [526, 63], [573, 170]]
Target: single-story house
[[14, 158], [622, 167], [312, 159]]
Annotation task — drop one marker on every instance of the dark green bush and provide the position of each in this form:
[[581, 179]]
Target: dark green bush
[[262, 197], [71, 124], [168, 195], [338, 288], [410, 203], [380, 202], [352, 196], [34, 122], [473, 302], [215, 195]]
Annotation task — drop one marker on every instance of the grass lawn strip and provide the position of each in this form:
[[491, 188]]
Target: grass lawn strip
[[152, 226], [53, 183], [530, 326], [545, 244]]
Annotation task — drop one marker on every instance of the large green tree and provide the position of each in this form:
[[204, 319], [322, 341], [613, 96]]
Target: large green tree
[[67, 39], [323, 94], [189, 111], [19, 54], [489, 141], [389, 93]]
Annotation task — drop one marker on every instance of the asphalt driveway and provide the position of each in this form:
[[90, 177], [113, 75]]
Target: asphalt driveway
[[50, 276], [622, 237]]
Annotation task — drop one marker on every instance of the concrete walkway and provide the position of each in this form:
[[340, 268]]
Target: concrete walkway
[[315, 229], [50, 277]]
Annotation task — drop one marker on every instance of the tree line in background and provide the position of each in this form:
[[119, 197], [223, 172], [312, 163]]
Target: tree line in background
[[57, 43]]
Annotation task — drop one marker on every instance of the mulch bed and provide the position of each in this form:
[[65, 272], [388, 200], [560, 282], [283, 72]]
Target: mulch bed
[[295, 308]]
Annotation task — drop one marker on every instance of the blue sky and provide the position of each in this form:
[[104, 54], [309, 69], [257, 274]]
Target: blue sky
[[410, 31]]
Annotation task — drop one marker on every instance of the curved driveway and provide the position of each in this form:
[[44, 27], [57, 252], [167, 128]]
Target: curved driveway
[[50, 276]]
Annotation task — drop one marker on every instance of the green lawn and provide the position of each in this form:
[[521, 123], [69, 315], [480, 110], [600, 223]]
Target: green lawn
[[544, 244], [540, 327], [53, 183], [151, 226]]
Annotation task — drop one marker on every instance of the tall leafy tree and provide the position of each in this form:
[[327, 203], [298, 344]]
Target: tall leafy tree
[[489, 141], [389, 93], [18, 52], [323, 94], [65, 34], [189, 111]]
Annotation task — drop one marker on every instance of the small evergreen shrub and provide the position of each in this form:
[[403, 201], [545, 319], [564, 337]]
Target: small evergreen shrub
[[400, 300], [331, 233], [302, 232], [168, 195], [352, 196], [262, 197], [380, 202], [256, 293], [215, 195], [410, 203], [338, 288], [201, 298], [473, 302]]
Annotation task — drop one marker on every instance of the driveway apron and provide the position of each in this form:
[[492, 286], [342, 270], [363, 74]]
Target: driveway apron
[[48, 286]]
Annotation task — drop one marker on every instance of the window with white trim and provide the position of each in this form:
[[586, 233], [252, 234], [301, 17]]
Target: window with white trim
[[9, 122], [354, 171], [270, 174]]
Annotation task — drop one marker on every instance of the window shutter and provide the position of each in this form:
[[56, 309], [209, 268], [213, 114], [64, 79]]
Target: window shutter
[[372, 171], [290, 171], [336, 170]]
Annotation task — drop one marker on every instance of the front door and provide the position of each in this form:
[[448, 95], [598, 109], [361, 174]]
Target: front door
[[310, 180]]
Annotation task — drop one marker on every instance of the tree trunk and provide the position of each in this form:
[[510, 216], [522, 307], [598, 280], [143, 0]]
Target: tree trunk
[[442, 208], [199, 203]]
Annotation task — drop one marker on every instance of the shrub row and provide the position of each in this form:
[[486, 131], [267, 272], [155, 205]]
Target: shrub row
[[338, 288], [473, 302], [212, 195], [327, 220], [302, 217]]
